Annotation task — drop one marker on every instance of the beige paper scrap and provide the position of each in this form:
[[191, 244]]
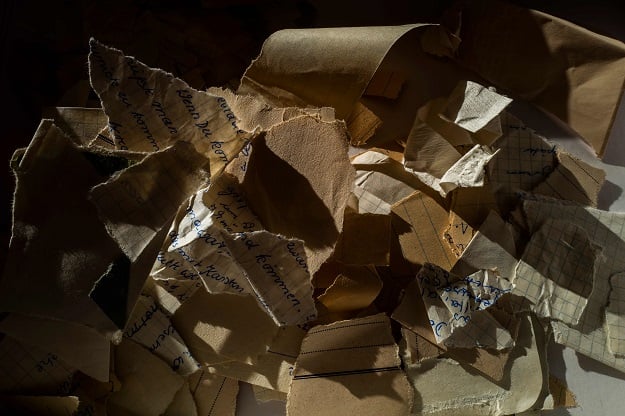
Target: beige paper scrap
[[81, 124], [573, 180], [473, 106], [420, 223], [354, 366], [182, 403], [456, 307], [213, 395], [148, 384], [264, 395], [557, 271], [366, 239], [143, 199], [149, 109], [28, 369], [51, 268], [605, 230], [318, 184], [447, 388], [224, 325], [468, 171], [91, 355], [169, 294], [151, 328]]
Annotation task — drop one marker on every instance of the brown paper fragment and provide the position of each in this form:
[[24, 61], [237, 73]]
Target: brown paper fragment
[[554, 70], [354, 366], [385, 84], [143, 199], [182, 404], [349, 293], [420, 223], [80, 124], [149, 109], [361, 124], [429, 152], [241, 334], [458, 234], [418, 348], [52, 268], [213, 395], [91, 355], [318, 184], [263, 394], [148, 384], [365, 240], [573, 180], [615, 315]]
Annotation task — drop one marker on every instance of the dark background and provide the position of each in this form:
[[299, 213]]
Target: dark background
[[44, 47]]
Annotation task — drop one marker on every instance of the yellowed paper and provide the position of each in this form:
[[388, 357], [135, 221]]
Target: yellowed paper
[[354, 366], [365, 240], [468, 171], [81, 124], [213, 395], [148, 384], [263, 394], [149, 109]]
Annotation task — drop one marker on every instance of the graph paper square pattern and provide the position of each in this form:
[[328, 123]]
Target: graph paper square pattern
[[615, 315], [605, 230], [556, 271]]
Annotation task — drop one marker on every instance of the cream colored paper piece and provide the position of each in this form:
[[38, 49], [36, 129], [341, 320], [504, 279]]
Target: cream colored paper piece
[[354, 366], [51, 269], [319, 183], [420, 223], [456, 307], [151, 328], [277, 270], [91, 354], [213, 395], [169, 294], [468, 171], [573, 180], [81, 124], [491, 248], [444, 387], [615, 315], [28, 369], [557, 271], [140, 201], [473, 106], [224, 327], [274, 368], [149, 109], [605, 230], [148, 384]]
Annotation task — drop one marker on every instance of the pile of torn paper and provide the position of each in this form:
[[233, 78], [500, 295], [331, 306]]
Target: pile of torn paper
[[362, 228]]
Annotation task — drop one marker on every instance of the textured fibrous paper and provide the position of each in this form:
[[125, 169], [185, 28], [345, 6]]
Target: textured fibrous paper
[[354, 366], [213, 395], [615, 315]]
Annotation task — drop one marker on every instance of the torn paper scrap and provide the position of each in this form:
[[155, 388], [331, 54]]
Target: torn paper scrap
[[447, 388], [143, 199], [473, 106], [468, 171], [183, 403], [81, 124], [557, 271], [365, 240], [354, 366], [213, 395], [91, 355], [150, 327], [149, 109], [615, 315], [224, 327], [52, 268], [318, 184], [456, 307], [606, 231], [148, 384], [573, 180], [262, 394], [420, 222]]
